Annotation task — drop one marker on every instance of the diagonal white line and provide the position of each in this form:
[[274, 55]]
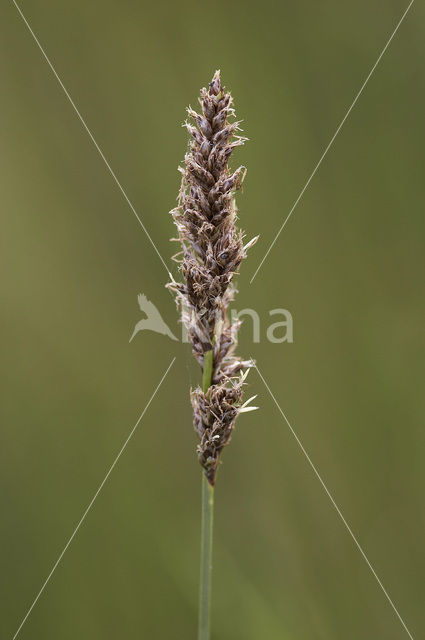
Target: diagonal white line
[[93, 499], [331, 142], [92, 139], [319, 477]]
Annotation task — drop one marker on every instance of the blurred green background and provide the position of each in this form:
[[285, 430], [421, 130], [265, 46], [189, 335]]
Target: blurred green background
[[349, 266]]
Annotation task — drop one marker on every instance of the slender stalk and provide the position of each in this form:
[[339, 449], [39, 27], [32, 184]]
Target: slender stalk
[[206, 560], [206, 530]]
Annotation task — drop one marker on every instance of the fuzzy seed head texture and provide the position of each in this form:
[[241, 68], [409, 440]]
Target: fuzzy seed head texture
[[211, 251]]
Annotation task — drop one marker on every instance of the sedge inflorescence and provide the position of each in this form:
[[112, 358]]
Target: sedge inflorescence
[[212, 250]]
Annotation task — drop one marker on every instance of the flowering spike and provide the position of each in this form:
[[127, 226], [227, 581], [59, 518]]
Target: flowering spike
[[212, 250]]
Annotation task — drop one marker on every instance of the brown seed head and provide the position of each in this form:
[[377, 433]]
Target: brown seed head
[[212, 250]]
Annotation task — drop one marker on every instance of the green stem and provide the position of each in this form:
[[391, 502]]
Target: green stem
[[208, 369], [206, 530], [206, 559]]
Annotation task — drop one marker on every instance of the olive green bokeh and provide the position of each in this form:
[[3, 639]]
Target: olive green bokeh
[[349, 266]]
